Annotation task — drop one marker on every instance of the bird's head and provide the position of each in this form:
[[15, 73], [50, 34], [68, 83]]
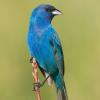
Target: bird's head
[[45, 12]]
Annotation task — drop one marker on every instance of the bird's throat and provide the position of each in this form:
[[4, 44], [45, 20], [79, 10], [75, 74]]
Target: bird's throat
[[42, 23]]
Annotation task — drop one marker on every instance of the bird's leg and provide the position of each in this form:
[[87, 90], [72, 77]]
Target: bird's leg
[[38, 84], [43, 82]]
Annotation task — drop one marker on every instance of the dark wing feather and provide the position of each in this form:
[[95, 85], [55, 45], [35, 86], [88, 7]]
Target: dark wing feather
[[58, 53]]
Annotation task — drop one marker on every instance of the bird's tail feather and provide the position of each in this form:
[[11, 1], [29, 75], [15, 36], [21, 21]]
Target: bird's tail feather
[[60, 87], [62, 94]]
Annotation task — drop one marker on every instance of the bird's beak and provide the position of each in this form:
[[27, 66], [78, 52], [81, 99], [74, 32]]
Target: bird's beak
[[56, 12]]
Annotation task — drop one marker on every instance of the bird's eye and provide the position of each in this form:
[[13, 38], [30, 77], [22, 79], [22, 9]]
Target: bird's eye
[[48, 10]]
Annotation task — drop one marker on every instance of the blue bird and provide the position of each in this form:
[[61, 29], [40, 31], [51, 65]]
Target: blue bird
[[45, 46]]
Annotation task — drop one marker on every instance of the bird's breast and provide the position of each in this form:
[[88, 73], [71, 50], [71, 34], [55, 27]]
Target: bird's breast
[[40, 49]]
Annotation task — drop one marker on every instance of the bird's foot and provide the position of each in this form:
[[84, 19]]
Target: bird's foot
[[36, 86]]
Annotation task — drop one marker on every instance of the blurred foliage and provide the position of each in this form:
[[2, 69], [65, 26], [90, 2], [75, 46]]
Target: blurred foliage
[[79, 30]]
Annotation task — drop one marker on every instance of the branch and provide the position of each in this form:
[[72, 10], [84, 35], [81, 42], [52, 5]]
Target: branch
[[36, 82]]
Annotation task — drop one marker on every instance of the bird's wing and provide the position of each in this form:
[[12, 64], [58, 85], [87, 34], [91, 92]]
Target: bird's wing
[[57, 50]]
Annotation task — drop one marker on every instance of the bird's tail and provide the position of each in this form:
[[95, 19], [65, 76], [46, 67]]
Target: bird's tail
[[61, 88], [62, 94]]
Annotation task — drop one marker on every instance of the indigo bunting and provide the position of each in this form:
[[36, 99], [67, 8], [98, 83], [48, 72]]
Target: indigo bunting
[[45, 46]]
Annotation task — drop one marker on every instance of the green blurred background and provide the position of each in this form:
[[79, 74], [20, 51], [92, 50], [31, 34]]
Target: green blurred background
[[79, 30]]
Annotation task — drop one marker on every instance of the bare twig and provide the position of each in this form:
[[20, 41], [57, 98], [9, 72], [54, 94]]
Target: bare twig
[[35, 78]]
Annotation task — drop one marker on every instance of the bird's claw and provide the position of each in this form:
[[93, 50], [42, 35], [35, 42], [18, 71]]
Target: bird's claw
[[36, 86]]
